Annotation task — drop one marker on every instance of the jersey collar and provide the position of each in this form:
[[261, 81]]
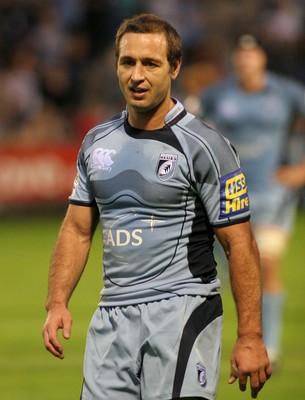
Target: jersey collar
[[175, 114]]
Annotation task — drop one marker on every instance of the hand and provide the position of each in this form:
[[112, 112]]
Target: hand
[[249, 359], [57, 318], [292, 176]]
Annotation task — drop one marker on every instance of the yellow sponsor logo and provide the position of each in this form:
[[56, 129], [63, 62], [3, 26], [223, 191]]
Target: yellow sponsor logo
[[237, 204], [233, 194], [235, 187]]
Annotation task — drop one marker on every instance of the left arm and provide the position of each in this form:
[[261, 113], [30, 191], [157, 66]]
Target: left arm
[[249, 357], [292, 176]]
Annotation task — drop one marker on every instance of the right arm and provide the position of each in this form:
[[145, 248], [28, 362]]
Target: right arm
[[67, 264]]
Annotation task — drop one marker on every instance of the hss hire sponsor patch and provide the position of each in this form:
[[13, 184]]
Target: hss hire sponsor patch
[[234, 197]]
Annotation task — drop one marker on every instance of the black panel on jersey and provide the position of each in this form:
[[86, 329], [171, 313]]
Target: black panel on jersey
[[164, 135], [200, 252]]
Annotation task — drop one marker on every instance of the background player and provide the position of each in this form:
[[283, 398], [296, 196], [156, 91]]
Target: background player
[[256, 110], [160, 182]]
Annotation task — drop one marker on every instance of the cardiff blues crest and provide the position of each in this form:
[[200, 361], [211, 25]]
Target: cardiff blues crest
[[202, 376], [166, 166]]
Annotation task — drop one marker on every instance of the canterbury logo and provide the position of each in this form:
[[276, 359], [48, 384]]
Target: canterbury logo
[[102, 158]]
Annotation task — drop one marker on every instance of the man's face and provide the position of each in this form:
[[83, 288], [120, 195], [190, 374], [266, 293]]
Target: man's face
[[249, 61], [143, 70]]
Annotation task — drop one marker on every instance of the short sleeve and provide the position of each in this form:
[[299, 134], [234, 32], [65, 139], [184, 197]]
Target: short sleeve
[[220, 181], [82, 192]]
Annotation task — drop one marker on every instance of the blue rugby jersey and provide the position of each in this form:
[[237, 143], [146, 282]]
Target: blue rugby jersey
[[258, 124], [159, 195]]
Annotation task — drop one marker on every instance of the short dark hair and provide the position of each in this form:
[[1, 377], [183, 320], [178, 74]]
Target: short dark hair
[[247, 41], [150, 23]]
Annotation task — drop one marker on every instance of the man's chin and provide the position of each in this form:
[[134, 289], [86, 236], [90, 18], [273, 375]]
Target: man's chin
[[141, 107]]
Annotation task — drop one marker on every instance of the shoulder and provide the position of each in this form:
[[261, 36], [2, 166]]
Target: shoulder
[[195, 129], [284, 84], [217, 88], [204, 142], [103, 129]]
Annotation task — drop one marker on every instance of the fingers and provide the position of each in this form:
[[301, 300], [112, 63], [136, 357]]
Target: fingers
[[53, 323], [52, 344], [257, 379], [66, 332], [256, 385], [234, 375], [268, 372], [242, 377]]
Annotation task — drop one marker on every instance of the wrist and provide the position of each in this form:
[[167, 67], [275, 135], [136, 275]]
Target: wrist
[[250, 335], [52, 304]]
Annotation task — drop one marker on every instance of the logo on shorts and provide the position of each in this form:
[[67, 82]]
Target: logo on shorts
[[166, 166], [234, 198], [202, 376]]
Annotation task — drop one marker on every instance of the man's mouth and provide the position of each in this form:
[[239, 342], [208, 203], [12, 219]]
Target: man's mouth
[[138, 90]]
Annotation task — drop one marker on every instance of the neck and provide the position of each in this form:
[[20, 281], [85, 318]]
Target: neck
[[152, 119], [253, 83]]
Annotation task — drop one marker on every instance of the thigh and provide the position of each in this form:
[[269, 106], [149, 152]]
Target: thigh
[[110, 372], [272, 241], [181, 355]]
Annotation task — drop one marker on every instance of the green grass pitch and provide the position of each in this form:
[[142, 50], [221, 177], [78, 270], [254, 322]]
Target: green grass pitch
[[29, 372]]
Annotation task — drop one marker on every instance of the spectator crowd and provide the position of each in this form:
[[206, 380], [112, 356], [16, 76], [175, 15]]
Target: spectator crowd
[[57, 75]]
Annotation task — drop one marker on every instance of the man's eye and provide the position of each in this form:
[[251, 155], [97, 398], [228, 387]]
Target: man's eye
[[126, 62], [151, 64]]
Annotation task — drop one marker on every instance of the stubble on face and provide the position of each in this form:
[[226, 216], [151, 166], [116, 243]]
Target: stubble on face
[[145, 75]]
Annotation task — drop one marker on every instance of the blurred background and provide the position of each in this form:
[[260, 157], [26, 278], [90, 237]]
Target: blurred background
[[57, 74], [57, 80]]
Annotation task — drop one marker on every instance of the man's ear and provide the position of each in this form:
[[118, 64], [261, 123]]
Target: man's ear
[[175, 70]]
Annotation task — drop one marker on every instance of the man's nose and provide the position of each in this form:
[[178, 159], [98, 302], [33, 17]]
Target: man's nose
[[137, 73]]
